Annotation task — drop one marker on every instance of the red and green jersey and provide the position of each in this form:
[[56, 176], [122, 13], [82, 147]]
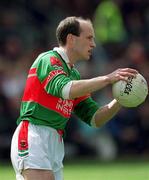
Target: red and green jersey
[[42, 102]]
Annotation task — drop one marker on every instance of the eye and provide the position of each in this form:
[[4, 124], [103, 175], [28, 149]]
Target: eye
[[89, 37]]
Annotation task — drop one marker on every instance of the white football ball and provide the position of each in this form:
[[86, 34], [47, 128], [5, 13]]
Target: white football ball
[[131, 93]]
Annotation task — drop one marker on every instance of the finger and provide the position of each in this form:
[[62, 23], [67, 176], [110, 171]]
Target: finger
[[127, 74], [123, 78], [129, 70]]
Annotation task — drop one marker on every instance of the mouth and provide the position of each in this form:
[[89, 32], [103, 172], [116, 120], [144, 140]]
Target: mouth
[[90, 52]]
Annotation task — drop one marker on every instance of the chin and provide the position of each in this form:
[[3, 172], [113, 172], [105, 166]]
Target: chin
[[88, 57]]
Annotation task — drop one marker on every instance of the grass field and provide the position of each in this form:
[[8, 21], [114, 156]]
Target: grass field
[[93, 170]]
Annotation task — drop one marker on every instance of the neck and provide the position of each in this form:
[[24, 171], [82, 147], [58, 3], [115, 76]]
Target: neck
[[71, 55]]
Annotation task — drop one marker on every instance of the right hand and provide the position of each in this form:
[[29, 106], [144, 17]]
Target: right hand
[[121, 74]]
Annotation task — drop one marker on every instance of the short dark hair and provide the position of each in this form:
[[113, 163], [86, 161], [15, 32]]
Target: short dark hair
[[69, 25]]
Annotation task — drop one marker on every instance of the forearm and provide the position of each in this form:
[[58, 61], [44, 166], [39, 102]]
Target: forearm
[[105, 113], [83, 87]]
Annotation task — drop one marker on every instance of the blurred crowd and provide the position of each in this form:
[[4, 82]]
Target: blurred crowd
[[27, 28]]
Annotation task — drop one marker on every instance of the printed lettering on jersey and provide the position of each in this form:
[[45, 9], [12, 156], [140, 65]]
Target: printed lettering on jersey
[[38, 95], [64, 106], [51, 75], [55, 73], [55, 62]]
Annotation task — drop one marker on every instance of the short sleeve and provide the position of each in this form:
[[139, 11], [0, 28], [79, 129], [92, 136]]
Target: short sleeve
[[52, 75], [85, 108]]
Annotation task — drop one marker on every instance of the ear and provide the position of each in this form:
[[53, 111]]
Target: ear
[[70, 39]]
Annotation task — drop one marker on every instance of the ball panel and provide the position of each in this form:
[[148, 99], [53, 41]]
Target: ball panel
[[131, 93]]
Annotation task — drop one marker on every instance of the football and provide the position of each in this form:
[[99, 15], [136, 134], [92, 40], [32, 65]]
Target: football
[[131, 93]]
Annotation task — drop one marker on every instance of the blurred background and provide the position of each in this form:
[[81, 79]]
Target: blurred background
[[27, 28]]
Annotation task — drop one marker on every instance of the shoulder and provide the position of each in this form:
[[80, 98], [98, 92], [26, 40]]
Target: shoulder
[[49, 58]]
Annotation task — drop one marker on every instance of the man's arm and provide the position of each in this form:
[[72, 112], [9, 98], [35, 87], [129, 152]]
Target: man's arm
[[82, 87], [105, 113]]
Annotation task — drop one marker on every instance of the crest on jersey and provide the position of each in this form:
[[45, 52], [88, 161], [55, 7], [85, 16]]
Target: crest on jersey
[[23, 144], [55, 62]]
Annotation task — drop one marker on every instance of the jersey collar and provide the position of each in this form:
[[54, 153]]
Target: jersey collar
[[63, 55]]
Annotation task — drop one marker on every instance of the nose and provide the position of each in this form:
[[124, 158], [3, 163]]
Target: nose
[[93, 44]]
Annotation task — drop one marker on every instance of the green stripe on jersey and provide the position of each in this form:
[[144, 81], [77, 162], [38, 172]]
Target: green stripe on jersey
[[39, 115]]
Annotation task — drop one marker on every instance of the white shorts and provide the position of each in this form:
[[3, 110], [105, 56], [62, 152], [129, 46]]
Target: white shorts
[[37, 147]]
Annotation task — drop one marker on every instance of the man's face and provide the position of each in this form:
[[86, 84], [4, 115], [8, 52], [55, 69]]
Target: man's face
[[84, 44]]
